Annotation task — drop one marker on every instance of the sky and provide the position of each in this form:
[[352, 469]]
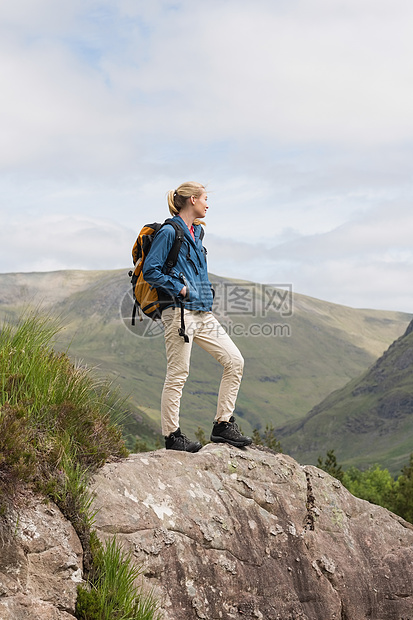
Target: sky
[[297, 115]]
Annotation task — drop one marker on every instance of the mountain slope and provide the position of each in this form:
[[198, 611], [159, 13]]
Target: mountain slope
[[369, 420], [296, 352]]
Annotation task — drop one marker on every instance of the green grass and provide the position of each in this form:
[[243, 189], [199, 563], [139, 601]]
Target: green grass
[[65, 416], [114, 592], [58, 423]]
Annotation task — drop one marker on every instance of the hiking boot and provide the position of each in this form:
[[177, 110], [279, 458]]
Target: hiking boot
[[179, 441], [228, 432]]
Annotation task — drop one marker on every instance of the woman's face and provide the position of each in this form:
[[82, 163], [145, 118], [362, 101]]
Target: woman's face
[[200, 205]]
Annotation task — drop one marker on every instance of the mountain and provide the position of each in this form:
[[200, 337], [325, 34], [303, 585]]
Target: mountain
[[297, 349], [369, 420]]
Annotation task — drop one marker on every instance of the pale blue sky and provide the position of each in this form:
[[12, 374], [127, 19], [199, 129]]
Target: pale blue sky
[[297, 115]]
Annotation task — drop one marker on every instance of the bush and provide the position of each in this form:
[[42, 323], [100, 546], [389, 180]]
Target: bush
[[403, 492], [267, 438], [58, 424], [17, 452], [375, 485], [114, 593], [56, 419], [330, 465]]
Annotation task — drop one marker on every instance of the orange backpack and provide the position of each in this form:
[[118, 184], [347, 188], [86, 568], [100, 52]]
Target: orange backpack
[[147, 298]]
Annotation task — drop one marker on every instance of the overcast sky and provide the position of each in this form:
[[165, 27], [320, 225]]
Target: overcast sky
[[296, 114]]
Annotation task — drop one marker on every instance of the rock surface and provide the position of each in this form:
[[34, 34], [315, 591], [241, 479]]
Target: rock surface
[[230, 534], [222, 534], [40, 564]]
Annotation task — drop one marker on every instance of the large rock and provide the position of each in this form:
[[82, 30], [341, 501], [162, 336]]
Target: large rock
[[40, 563], [226, 534]]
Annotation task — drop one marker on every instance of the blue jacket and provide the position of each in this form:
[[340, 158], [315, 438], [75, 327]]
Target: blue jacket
[[191, 264]]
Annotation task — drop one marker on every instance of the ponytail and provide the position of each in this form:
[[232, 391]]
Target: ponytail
[[171, 203]]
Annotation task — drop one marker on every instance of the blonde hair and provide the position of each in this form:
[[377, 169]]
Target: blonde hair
[[177, 197]]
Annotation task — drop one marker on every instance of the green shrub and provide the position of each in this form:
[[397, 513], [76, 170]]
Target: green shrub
[[58, 424], [267, 438], [114, 593], [403, 492], [17, 452], [200, 436], [374, 485], [141, 445], [56, 419], [330, 465]]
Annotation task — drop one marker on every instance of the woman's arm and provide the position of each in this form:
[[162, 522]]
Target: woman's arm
[[156, 259]]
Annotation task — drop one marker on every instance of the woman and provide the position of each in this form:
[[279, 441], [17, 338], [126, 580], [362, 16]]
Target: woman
[[188, 284]]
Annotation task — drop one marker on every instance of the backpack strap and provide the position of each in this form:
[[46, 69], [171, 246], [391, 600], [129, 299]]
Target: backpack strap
[[181, 330], [174, 251], [171, 262], [133, 313]]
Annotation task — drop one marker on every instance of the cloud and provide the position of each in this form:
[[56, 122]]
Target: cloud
[[296, 114], [291, 73], [297, 72], [58, 116], [384, 231], [367, 262], [55, 242]]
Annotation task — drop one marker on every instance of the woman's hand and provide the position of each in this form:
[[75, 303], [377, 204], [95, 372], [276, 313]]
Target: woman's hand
[[182, 292]]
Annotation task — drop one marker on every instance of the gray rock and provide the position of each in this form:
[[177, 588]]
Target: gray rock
[[40, 563], [226, 534], [221, 534]]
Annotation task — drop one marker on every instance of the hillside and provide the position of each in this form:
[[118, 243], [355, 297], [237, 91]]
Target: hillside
[[305, 348], [370, 420], [89, 531]]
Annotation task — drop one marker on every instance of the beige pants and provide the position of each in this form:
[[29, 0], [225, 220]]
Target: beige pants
[[204, 329]]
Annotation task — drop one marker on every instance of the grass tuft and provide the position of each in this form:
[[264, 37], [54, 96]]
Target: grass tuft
[[58, 424], [114, 592], [44, 400]]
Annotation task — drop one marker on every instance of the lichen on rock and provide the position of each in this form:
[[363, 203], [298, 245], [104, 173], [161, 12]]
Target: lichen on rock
[[229, 533]]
